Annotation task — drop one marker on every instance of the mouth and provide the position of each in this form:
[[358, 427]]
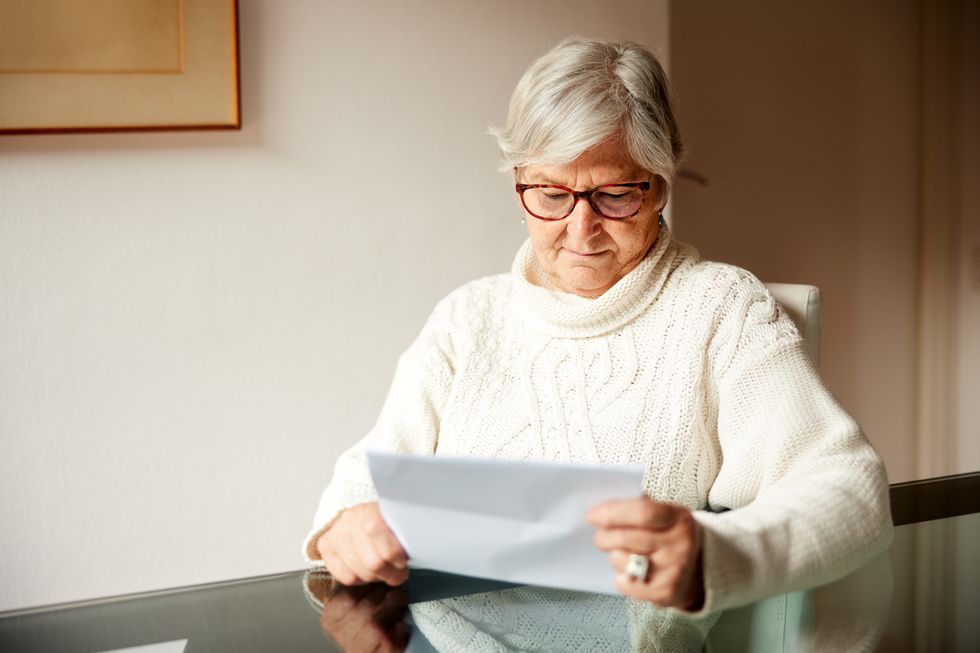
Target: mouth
[[583, 254]]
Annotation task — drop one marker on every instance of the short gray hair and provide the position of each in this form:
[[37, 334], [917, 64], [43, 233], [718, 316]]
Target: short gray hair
[[584, 92]]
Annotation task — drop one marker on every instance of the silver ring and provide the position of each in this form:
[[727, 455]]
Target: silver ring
[[637, 567]]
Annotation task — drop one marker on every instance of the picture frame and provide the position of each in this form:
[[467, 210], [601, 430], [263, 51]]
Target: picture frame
[[118, 65]]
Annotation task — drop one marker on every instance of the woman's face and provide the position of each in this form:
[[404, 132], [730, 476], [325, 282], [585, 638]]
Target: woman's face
[[585, 253]]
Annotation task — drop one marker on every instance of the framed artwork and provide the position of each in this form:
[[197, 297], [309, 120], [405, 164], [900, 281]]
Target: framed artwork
[[118, 65]]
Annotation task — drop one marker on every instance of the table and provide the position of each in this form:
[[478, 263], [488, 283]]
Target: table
[[922, 595]]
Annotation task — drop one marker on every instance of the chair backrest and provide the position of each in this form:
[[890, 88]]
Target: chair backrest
[[774, 624], [802, 303]]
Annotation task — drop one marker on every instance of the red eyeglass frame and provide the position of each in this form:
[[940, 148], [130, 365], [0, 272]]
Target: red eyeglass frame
[[586, 195]]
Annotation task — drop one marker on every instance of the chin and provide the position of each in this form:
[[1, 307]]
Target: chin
[[587, 288]]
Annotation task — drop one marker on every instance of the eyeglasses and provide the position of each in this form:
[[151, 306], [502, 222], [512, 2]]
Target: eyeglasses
[[614, 201]]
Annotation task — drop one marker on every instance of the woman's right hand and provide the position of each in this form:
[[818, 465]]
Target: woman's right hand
[[359, 548]]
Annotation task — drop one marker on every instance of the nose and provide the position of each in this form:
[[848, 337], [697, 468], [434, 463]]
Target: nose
[[583, 221]]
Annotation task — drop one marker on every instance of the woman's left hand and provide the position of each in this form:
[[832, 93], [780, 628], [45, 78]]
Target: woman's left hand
[[668, 535]]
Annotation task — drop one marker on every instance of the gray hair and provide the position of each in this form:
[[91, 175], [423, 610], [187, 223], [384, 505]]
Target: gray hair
[[583, 92]]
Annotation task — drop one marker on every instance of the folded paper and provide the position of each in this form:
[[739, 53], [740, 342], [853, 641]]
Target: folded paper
[[516, 521]]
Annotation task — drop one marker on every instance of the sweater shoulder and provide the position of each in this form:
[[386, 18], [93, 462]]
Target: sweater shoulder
[[740, 314], [474, 306], [717, 280], [478, 295], [488, 287]]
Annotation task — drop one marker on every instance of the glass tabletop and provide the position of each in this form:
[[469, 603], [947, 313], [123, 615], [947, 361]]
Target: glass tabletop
[[919, 596]]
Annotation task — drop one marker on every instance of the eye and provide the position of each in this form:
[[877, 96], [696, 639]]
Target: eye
[[552, 194], [615, 196]]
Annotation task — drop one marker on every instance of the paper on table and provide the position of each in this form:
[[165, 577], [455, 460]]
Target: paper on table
[[175, 646], [517, 521]]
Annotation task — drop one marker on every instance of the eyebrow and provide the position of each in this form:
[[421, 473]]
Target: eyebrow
[[625, 179]]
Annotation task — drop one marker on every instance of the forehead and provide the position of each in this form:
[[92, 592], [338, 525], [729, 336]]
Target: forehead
[[604, 163]]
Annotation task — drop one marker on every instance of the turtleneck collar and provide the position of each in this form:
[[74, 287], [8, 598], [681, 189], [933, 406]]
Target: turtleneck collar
[[566, 315]]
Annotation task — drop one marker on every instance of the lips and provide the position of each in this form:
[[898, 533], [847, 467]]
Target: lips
[[572, 251]]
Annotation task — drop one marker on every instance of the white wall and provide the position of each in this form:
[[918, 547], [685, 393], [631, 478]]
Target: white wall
[[194, 325], [803, 117]]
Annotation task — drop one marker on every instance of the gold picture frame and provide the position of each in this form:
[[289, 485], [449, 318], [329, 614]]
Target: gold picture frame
[[118, 65]]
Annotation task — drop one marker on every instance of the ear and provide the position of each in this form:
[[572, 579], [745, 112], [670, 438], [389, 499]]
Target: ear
[[663, 192]]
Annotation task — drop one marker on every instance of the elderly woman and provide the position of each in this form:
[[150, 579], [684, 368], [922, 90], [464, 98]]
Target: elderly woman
[[611, 342]]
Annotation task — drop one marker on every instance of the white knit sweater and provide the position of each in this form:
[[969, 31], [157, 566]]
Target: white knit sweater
[[688, 368]]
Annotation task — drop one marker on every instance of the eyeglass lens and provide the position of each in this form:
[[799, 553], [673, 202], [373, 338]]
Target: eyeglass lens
[[612, 202]]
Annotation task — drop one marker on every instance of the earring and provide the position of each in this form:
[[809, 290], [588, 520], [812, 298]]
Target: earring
[[523, 221], [663, 223]]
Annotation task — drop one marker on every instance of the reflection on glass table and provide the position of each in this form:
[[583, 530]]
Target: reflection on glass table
[[920, 596], [849, 615]]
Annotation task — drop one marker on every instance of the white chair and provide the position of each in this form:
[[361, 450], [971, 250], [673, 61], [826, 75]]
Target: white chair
[[775, 624], [803, 304]]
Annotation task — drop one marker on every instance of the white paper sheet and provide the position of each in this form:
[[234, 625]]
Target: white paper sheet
[[175, 646], [517, 521]]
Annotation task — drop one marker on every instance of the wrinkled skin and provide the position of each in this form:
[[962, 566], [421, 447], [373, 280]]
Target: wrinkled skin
[[668, 534], [585, 253], [359, 548]]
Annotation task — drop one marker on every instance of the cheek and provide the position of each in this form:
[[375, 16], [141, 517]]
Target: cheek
[[633, 242], [544, 235]]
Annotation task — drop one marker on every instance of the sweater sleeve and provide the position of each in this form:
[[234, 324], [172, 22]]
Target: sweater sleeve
[[804, 495], [408, 423]]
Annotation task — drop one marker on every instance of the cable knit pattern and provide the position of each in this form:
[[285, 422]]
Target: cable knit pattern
[[539, 619], [688, 368]]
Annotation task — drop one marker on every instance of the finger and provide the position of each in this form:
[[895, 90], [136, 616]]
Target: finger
[[655, 589], [665, 592], [386, 572], [389, 556], [381, 553], [390, 549], [632, 588], [618, 560], [338, 555], [637, 540], [679, 552], [387, 546], [395, 577], [660, 566], [372, 567], [638, 513], [665, 586], [341, 571]]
